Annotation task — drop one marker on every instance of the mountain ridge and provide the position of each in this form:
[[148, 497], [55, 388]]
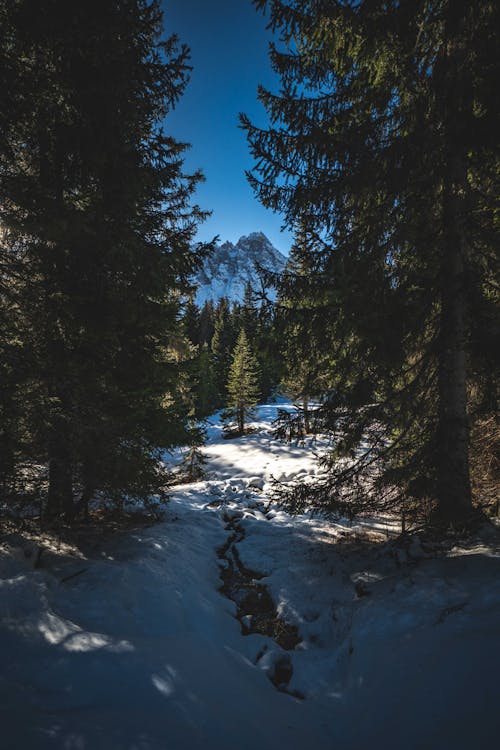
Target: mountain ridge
[[228, 270]]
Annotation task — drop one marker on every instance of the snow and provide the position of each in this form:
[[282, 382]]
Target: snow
[[139, 650], [229, 269]]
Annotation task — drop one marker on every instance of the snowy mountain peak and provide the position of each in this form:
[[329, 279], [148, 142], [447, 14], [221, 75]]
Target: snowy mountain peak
[[254, 237], [231, 267]]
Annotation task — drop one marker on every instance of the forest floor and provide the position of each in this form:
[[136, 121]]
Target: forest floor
[[232, 625]]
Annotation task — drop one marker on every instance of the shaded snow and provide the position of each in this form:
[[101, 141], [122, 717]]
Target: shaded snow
[[400, 647]]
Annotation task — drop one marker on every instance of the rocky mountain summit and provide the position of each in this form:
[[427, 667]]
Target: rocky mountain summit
[[230, 268]]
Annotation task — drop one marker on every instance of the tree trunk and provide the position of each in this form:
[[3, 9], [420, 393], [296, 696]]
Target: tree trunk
[[454, 493], [307, 423], [453, 476]]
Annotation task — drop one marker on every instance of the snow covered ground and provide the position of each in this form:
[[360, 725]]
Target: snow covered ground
[[135, 647]]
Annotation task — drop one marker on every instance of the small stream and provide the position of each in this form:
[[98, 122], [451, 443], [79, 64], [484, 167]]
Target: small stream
[[256, 610]]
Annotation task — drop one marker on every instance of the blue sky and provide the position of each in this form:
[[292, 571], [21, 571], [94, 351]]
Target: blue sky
[[229, 49]]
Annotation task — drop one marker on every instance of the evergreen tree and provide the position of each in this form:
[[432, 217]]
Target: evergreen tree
[[259, 325], [193, 464], [267, 345], [248, 314], [384, 145], [207, 323], [206, 394], [242, 384], [223, 342], [191, 322], [93, 190], [305, 354]]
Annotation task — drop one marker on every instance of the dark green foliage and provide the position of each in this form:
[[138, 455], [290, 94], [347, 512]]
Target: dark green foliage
[[210, 367], [223, 342], [96, 247], [191, 322], [307, 358], [266, 343], [206, 324], [192, 468], [383, 149], [248, 318], [206, 393], [259, 324], [193, 465], [242, 384]]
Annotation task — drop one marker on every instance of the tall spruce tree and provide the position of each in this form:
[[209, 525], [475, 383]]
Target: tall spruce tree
[[242, 384], [191, 322], [207, 323], [94, 192], [306, 355], [222, 345], [249, 315], [206, 394], [384, 144]]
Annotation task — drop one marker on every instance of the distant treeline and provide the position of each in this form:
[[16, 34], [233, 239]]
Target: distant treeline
[[213, 330]]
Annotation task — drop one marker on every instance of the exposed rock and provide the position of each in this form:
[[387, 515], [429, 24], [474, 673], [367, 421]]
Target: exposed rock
[[229, 269]]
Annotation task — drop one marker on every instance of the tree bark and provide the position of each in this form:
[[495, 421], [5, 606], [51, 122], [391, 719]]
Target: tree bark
[[241, 419], [454, 493], [307, 422], [453, 475]]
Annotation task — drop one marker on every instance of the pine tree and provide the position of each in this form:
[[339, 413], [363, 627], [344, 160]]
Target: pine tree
[[193, 465], [383, 144], [93, 190], [267, 346], [192, 468], [242, 384], [302, 336], [207, 323], [248, 316], [206, 394], [222, 345]]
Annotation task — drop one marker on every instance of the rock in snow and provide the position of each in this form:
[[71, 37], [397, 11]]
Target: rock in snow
[[256, 482]]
